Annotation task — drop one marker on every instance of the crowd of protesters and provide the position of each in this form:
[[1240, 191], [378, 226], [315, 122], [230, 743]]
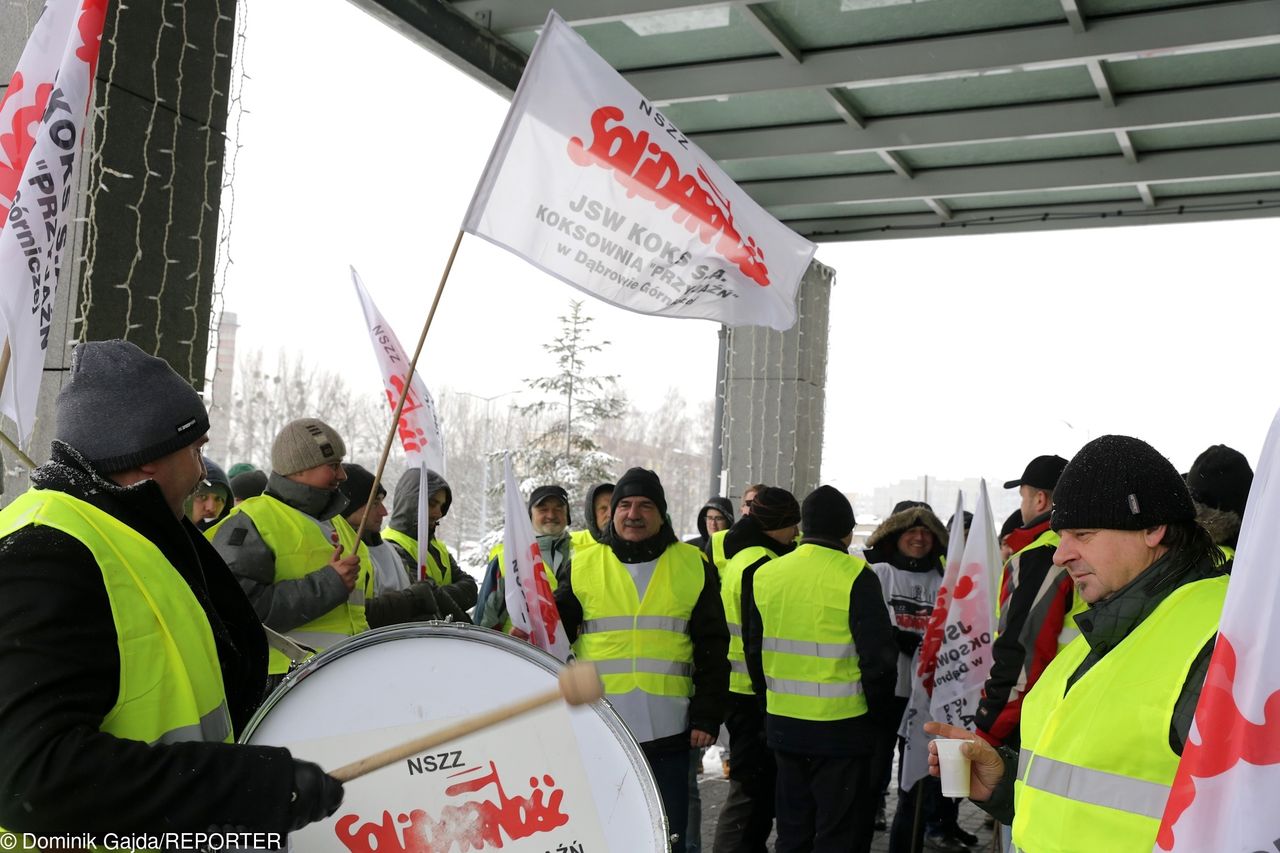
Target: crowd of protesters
[[766, 624]]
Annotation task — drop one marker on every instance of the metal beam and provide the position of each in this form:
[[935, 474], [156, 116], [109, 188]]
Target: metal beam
[[1098, 74], [843, 106], [510, 16], [1126, 146], [453, 37], [1032, 121], [1148, 198], [894, 162], [1036, 176], [1240, 23], [772, 33], [944, 212], [1042, 218], [1072, 10]]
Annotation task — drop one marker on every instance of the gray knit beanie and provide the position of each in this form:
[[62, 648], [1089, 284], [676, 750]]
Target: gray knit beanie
[[305, 443], [123, 408]]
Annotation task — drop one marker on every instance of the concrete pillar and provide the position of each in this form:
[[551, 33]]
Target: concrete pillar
[[775, 393], [147, 225], [221, 402]]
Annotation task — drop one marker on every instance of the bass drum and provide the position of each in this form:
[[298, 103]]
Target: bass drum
[[558, 779]]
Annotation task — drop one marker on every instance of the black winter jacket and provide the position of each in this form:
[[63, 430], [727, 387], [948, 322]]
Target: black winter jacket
[[60, 673]]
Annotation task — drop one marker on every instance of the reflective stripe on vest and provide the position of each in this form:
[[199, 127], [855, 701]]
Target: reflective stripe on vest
[[170, 678], [640, 644], [300, 546], [731, 597], [1096, 764], [810, 664]]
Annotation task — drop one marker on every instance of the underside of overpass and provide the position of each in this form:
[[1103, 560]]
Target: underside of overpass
[[869, 119]]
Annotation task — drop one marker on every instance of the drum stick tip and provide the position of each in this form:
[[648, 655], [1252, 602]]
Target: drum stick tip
[[580, 684]]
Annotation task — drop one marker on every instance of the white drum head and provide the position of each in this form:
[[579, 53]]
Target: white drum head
[[560, 777]]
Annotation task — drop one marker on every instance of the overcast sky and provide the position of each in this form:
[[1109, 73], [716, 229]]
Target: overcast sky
[[953, 357]]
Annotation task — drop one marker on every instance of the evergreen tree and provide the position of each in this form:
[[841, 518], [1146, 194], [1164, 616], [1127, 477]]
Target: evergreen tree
[[575, 402]]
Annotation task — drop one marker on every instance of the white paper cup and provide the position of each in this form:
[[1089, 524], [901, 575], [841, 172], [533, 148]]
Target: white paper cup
[[954, 766]]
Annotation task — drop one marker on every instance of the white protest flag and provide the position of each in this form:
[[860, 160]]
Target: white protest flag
[[964, 653], [915, 753], [1224, 795], [41, 129], [530, 602], [593, 184], [419, 426]]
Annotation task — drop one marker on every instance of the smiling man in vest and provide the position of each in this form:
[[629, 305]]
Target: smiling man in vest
[[651, 620], [129, 656], [820, 650], [293, 553], [1104, 727]]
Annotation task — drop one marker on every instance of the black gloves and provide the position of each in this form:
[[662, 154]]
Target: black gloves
[[316, 795], [907, 641]]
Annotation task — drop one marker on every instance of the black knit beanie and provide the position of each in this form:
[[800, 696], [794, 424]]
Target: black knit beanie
[[775, 509], [1012, 523], [248, 484], [357, 485], [1221, 478], [826, 513], [1119, 483], [642, 483], [123, 408]]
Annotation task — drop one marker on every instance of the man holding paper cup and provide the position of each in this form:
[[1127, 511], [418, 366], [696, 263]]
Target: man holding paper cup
[[1104, 727]]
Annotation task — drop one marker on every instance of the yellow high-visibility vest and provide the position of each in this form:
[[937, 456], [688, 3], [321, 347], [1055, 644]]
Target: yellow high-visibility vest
[[300, 547], [731, 595], [1096, 766], [810, 662]]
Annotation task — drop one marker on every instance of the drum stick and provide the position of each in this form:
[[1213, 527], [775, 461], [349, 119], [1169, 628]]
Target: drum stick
[[579, 685]]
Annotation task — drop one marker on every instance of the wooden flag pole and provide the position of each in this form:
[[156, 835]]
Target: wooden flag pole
[[5, 356], [404, 394]]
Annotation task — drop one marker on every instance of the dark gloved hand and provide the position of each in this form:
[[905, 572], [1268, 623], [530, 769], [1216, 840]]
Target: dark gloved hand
[[906, 640], [425, 606], [316, 795]]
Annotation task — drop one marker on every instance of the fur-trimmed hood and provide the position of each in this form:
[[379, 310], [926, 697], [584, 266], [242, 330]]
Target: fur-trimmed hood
[[900, 522], [1223, 524]]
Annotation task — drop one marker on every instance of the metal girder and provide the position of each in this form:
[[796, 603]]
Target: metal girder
[[1036, 176], [843, 107], [1195, 29], [1148, 198], [893, 161], [1098, 74], [939, 208], [509, 16], [773, 34], [470, 48], [1072, 10], [1042, 217], [1134, 112], [1126, 146]]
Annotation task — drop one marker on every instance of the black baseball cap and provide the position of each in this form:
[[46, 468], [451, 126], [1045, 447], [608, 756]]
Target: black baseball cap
[[1041, 473]]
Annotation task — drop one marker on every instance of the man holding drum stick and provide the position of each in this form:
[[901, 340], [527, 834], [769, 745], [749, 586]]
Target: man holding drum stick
[[129, 656]]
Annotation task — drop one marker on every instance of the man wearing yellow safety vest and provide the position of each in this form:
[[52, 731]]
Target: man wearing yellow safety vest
[[645, 608], [395, 598], [1038, 604], [819, 650], [129, 656], [713, 523], [295, 556], [456, 590], [549, 514], [1104, 727], [1219, 481], [766, 533]]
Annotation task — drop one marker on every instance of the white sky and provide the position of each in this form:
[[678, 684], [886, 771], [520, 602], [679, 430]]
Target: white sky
[[954, 357]]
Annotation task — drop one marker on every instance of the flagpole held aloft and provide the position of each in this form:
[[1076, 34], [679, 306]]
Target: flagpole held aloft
[[404, 392]]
